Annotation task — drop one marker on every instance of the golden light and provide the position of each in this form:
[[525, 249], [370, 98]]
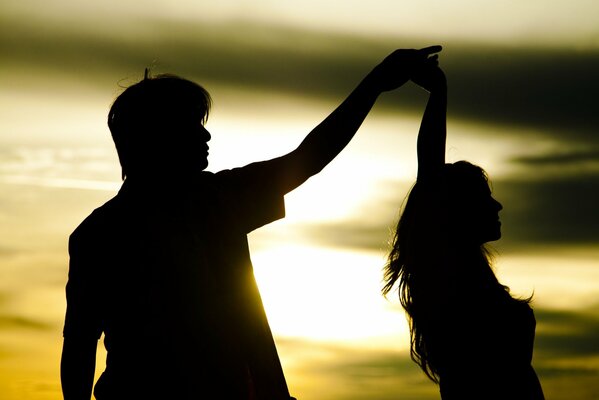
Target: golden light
[[325, 294]]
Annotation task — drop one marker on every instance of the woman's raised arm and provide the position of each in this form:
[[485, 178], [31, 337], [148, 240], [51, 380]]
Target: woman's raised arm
[[433, 128]]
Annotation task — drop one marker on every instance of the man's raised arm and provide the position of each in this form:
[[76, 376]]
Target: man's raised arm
[[331, 136]]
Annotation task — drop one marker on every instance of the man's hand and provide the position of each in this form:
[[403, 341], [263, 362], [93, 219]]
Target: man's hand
[[398, 67]]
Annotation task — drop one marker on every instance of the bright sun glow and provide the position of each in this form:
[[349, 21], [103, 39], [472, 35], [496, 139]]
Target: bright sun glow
[[325, 294]]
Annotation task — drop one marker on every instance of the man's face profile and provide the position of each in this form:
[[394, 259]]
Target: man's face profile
[[188, 141]]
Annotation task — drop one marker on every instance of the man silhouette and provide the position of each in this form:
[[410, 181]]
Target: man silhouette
[[163, 269]]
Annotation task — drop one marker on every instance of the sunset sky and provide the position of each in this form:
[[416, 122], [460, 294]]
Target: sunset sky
[[523, 86]]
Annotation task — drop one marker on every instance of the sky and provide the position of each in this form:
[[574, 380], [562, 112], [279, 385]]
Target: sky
[[522, 81]]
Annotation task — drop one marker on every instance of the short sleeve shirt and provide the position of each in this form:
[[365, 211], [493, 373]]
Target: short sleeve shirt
[[166, 275]]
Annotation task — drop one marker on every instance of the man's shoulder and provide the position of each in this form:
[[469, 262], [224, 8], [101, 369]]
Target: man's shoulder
[[99, 221]]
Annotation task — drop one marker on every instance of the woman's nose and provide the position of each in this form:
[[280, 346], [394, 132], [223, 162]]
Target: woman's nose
[[498, 205]]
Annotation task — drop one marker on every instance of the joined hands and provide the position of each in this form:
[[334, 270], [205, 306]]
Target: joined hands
[[402, 65]]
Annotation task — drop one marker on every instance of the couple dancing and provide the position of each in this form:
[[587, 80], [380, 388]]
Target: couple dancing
[[163, 269]]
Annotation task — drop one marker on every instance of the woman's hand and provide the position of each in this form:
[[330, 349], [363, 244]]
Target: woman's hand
[[430, 77], [398, 67]]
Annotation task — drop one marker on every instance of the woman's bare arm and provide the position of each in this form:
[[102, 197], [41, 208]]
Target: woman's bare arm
[[433, 128]]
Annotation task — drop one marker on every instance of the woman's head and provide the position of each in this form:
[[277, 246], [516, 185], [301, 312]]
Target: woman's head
[[438, 250], [457, 211], [157, 124], [470, 213]]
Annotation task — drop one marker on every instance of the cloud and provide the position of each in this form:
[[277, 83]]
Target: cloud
[[350, 234], [538, 211], [10, 321], [18, 322], [566, 349], [354, 372], [60, 167], [537, 88], [548, 93], [566, 334], [6, 251], [560, 158], [550, 210], [551, 91]]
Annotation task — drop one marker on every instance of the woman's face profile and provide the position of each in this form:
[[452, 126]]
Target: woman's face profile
[[489, 226], [476, 213]]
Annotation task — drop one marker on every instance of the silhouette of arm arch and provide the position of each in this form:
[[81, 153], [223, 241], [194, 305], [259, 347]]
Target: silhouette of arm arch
[[333, 134]]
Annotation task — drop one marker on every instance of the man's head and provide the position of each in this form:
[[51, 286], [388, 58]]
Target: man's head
[[157, 126]]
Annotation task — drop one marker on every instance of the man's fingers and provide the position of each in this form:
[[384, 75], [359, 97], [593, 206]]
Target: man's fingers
[[430, 50]]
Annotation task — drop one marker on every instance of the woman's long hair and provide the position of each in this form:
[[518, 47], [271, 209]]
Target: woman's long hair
[[430, 261]]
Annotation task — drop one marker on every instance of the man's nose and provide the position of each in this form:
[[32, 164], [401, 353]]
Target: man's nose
[[206, 136]]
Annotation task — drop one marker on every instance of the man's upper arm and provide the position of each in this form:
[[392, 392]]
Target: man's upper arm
[[256, 193], [83, 311], [287, 172]]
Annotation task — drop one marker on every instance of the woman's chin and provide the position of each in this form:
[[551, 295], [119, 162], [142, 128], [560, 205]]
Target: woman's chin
[[494, 237]]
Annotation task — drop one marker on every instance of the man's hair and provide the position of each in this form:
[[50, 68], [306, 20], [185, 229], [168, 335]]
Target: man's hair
[[148, 112]]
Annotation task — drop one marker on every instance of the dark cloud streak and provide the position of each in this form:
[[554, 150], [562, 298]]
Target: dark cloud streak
[[363, 374], [553, 90], [567, 334], [561, 335], [555, 210], [560, 158], [18, 322], [550, 91], [558, 210]]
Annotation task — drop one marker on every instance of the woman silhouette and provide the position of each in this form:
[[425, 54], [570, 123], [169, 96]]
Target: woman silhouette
[[468, 334]]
